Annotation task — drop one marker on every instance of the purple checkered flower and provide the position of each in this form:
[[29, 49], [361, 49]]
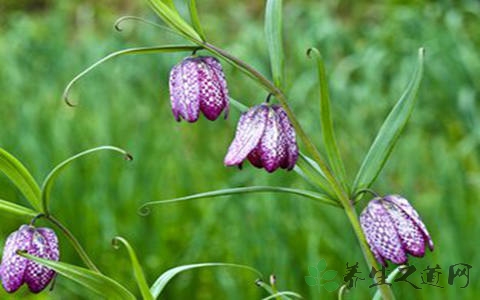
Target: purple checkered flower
[[394, 229], [16, 270], [266, 137], [197, 84]]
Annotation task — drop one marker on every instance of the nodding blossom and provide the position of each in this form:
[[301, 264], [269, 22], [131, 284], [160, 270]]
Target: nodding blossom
[[197, 84], [394, 229], [266, 137], [16, 270]]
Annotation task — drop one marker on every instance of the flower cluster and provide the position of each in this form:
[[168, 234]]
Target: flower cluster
[[264, 133], [394, 229], [16, 270]]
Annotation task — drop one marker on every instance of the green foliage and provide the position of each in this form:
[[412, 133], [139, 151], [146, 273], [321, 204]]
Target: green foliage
[[368, 50]]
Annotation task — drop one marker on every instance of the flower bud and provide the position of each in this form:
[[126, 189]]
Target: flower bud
[[266, 137], [198, 84], [16, 270], [394, 229]]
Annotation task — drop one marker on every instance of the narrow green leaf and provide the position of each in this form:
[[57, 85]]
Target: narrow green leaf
[[390, 131], [321, 265], [121, 20], [313, 173], [273, 34], [172, 18], [333, 154], [137, 268], [329, 275], [139, 50], [311, 281], [20, 177], [50, 179], [192, 7], [331, 286], [313, 271], [145, 208], [101, 284], [163, 280], [16, 209], [284, 295]]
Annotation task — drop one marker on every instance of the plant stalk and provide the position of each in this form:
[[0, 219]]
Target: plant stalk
[[76, 245]]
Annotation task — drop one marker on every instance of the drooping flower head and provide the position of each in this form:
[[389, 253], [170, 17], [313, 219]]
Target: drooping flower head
[[16, 270], [394, 229], [197, 84], [266, 137]]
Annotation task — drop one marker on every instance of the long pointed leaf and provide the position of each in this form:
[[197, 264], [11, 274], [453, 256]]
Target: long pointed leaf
[[16, 209], [273, 34], [20, 177], [390, 131], [163, 280], [329, 139], [145, 208], [192, 7], [50, 179], [101, 284], [139, 50], [137, 268]]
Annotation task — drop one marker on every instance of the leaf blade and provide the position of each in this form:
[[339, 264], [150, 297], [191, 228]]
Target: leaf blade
[[273, 34], [20, 177], [157, 288], [17, 209], [390, 131], [192, 7], [137, 268], [96, 282], [329, 140]]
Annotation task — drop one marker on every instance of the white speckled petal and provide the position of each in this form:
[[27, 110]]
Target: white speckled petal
[[13, 266], [381, 232], [250, 129], [213, 88], [412, 214], [289, 138], [272, 148], [184, 90]]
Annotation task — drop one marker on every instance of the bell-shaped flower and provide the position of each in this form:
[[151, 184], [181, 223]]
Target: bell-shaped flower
[[197, 84], [394, 229], [266, 137], [16, 270]]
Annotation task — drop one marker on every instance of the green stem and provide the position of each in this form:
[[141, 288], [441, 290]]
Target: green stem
[[384, 289], [339, 191], [81, 252]]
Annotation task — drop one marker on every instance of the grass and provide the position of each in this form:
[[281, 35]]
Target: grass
[[370, 52]]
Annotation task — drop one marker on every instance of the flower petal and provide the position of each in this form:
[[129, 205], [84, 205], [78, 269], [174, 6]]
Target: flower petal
[[13, 266], [213, 88], [412, 214], [382, 233], [184, 90], [37, 276], [272, 145], [289, 138], [250, 129]]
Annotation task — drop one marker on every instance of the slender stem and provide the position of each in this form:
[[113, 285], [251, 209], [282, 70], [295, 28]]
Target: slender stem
[[81, 252], [384, 289]]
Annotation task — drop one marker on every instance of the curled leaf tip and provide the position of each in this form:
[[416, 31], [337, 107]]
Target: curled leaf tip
[[144, 210], [258, 282], [128, 156], [67, 100], [116, 242]]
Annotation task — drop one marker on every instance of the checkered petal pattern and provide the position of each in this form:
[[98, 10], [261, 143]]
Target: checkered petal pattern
[[16, 270], [197, 84], [393, 230], [266, 138]]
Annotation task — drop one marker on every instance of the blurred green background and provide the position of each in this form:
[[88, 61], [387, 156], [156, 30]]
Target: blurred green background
[[370, 51]]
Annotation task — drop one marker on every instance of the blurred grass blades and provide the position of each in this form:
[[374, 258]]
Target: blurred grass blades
[[285, 295]]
